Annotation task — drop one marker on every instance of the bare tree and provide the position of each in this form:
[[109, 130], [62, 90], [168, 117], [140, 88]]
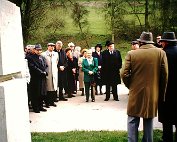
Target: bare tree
[[115, 12], [79, 15]]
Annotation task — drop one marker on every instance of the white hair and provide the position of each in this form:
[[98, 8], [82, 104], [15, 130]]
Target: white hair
[[71, 44]]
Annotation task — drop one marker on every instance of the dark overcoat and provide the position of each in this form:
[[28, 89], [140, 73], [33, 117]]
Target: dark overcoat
[[111, 65], [99, 57], [62, 75], [71, 77], [98, 74], [37, 66], [168, 109]]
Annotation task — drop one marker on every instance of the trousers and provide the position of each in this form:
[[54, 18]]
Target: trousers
[[133, 125]]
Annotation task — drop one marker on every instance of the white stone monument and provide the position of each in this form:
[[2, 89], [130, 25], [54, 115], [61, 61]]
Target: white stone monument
[[14, 113]]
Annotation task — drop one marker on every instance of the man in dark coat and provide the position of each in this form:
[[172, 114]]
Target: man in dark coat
[[62, 75], [168, 108], [111, 64], [37, 68]]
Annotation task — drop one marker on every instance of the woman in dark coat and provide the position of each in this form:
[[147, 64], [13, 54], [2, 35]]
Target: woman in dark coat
[[111, 64], [71, 71], [98, 54], [168, 109]]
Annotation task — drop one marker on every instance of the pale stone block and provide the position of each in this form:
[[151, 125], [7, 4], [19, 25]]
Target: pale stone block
[[11, 40], [14, 113]]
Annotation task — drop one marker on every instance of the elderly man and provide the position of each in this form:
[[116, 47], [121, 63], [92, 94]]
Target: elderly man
[[145, 73], [52, 78], [38, 71], [111, 64], [62, 64]]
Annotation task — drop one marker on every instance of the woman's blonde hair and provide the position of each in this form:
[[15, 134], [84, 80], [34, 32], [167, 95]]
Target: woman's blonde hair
[[84, 50]]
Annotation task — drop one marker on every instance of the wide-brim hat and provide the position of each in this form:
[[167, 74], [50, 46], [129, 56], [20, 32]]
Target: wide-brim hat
[[168, 36], [99, 45], [146, 37]]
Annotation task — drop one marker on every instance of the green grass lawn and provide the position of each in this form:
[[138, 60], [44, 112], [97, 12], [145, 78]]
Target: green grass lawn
[[88, 136]]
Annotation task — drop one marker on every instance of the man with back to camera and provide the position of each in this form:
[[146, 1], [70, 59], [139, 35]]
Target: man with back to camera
[[167, 109], [145, 73]]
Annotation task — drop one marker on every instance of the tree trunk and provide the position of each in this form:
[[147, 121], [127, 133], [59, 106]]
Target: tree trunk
[[146, 15]]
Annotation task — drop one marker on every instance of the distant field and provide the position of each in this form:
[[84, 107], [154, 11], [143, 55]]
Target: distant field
[[99, 30]]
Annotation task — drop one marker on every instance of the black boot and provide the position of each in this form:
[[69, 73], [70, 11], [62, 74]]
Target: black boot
[[101, 93], [96, 91]]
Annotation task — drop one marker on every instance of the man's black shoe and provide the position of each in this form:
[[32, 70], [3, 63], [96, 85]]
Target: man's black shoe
[[53, 105], [47, 106], [63, 99], [106, 99], [55, 100], [116, 99], [43, 109], [36, 111]]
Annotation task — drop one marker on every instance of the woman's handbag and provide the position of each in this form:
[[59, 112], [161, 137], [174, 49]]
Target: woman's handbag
[[93, 83]]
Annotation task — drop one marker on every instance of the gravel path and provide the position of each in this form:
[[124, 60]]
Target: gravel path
[[76, 114]]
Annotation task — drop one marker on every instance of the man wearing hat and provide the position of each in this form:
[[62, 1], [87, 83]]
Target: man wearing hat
[[158, 43], [52, 78], [134, 45], [37, 67], [168, 106], [111, 64], [145, 74]]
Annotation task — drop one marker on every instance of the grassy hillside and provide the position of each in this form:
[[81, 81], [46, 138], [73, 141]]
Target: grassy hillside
[[99, 30]]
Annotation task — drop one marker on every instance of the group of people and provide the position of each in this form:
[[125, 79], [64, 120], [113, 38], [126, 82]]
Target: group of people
[[56, 72], [150, 74]]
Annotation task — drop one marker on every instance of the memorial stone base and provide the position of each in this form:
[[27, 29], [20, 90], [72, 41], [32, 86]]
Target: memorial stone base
[[14, 113]]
